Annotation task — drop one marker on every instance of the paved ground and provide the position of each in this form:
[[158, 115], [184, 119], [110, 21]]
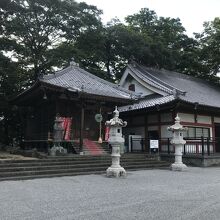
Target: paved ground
[[150, 194]]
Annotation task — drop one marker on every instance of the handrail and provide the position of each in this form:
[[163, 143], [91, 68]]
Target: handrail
[[202, 145]]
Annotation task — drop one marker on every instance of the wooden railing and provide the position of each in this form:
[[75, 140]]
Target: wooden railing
[[203, 146]]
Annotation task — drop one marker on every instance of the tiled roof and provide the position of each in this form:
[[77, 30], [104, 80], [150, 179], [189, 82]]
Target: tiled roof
[[73, 78], [188, 88], [153, 81], [147, 103]]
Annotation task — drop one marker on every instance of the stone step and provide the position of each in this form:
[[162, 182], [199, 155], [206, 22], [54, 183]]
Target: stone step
[[14, 178], [71, 165], [76, 157], [76, 170], [76, 160], [62, 161], [103, 171], [49, 175]]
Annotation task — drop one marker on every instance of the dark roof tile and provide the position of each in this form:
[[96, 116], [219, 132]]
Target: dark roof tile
[[73, 78], [189, 88], [147, 103]]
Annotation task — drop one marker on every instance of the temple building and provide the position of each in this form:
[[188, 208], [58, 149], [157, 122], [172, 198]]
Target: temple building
[[71, 93], [164, 94], [148, 99]]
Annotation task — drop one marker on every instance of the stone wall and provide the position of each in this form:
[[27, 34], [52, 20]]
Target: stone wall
[[195, 160]]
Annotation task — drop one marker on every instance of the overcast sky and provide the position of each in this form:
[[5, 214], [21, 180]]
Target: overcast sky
[[191, 12]]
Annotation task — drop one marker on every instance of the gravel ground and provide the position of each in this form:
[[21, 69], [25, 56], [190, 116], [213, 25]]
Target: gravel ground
[[150, 194]]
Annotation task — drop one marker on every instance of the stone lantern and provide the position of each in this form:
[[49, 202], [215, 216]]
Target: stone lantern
[[178, 142], [116, 140], [58, 137]]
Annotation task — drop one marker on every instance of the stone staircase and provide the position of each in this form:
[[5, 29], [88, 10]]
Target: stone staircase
[[72, 165], [92, 148]]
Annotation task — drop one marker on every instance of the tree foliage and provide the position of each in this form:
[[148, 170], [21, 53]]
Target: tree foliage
[[166, 38], [209, 54], [36, 27]]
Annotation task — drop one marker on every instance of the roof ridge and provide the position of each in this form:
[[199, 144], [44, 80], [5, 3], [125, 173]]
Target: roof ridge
[[114, 85], [191, 77], [160, 81], [56, 74], [156, 84], [65, 70], [69, 71]]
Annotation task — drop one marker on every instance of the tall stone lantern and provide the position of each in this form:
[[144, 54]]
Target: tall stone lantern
[[57, 137], [178, 142], [116, 140]]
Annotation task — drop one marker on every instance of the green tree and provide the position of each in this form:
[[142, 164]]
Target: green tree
[[36, 27], [209, 55], [11, 81], [107, 51], [154, 41], [165, 36]]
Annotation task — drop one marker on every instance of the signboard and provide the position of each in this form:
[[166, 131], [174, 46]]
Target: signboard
[[154, 144]]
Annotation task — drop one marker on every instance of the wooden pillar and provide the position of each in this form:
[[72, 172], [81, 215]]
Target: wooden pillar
[[56, 106], [213, 137], [146, 133], [81, 128], [159, 128]]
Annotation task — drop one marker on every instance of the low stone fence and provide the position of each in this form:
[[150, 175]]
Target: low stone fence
[[195, 159]]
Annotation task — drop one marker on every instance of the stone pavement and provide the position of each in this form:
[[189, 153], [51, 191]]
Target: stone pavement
[[149, 194]]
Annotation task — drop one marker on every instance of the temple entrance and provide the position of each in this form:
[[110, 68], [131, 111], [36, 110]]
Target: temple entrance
[[217, 138]]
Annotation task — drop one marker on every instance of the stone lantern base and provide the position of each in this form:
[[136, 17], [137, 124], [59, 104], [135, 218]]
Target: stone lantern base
[[116, 172], [56, 150], [178, 167]]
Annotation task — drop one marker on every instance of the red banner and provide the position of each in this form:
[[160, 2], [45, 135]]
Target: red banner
[[67, 124], [107, 130]]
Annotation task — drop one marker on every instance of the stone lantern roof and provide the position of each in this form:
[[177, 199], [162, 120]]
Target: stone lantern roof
[[116, 121], [177, 126]]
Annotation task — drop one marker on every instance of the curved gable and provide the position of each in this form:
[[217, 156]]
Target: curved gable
[[141, 85]]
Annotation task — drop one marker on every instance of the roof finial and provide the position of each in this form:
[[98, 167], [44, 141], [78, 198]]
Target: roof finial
[[73, 63], [132, 61], [177, 119], [116, 112], [40, 75]]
